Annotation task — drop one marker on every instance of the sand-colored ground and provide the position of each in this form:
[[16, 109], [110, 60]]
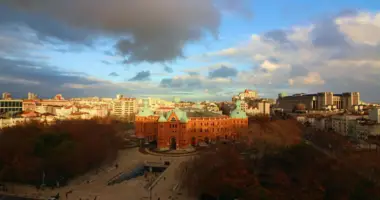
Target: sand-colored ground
[[94, 184]]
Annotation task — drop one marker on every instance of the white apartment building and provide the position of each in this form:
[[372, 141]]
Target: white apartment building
[[124, 107], [343, 124], [365, 128], [259, 108], [374, 114], [12, 122]]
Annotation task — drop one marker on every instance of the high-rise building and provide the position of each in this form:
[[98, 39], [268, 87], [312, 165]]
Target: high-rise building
[[6, 96], [58, 97], [124, 108], [374, 115], [32, 96], [119, 96], [320, 101]]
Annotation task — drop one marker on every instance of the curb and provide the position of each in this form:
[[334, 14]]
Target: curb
[[170, 155]]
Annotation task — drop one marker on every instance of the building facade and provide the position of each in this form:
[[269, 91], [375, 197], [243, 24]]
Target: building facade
[[124, 108], [10, 106], [177, 131], [320, 101], [374, 115], [247, 94]]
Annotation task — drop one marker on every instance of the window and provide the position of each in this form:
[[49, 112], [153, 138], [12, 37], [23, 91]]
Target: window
[[173, 119]]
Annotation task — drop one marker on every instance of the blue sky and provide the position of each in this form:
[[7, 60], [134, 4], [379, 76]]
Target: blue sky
[[286, 46]]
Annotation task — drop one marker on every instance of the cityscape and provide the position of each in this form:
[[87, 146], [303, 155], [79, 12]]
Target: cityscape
[[189, 100]]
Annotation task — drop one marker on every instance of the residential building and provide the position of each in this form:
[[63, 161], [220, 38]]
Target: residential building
[[46, 109], [58, 97], [344, 124], [320, 101], [9, 105], [177, 131], [247, 94], [258, 107], [374, 114], [12, 122], [6, 96], [32, 96], [365, 128], [124, 108]]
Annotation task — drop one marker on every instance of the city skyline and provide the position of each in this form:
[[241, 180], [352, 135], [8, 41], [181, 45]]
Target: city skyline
[[268, 46]]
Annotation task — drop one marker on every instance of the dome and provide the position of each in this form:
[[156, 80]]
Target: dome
[[300, 106], [238, 113], [176, 100], [145, 111]]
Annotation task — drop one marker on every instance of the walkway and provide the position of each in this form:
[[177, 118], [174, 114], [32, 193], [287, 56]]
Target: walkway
[[166, 185], [94, 184]]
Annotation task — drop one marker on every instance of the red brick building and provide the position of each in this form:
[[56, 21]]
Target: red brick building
[[175, 130]]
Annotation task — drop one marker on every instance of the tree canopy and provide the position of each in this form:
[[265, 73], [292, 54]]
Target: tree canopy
[[60, 151]]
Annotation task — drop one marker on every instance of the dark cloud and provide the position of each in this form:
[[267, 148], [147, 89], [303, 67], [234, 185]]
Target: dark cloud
[[348, 13], [20, 77], [193, 73], [359, 52], [368, 92], [298, 71], [223, 72], [191, 83], [168, 69], [109, 53], [326, 34], [279, 36], [114, 74], [106, 62], [141, 76], [153, 31], [273, 60], [46, 28]]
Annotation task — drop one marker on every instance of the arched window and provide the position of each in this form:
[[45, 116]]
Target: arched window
[[173, 119]]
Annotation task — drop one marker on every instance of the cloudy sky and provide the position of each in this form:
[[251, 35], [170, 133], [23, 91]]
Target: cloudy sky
[[196, 49]]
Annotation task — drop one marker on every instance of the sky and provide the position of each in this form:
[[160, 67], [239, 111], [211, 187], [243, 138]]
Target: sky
[[197, 50]]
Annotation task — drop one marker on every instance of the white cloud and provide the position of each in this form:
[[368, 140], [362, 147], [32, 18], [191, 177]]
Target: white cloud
[[362, 29], [342, 55], [312, 78]]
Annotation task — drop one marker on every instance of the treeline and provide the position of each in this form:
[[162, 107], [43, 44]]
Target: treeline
[[34, 153], [270, 161]]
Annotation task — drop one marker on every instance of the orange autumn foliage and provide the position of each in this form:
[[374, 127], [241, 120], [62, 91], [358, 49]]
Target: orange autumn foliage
[[61, 151]]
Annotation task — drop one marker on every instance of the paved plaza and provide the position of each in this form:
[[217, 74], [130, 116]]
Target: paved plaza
[[94, 184]]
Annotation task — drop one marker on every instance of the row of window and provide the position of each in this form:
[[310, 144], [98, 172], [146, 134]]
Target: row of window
[[10, 104], [207, 130], [4, 110]]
